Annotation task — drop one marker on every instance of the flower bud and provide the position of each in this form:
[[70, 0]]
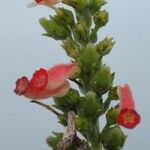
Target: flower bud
[[82, 124], [113, 138], [95, 5], [113, 94], [111, 116], [101, 18], [81, 32], [104, 47], [102, 80], [77, 4], [89, 58], [69, 102], [55, 29], [72, 48], [65, 16], [90, 108]]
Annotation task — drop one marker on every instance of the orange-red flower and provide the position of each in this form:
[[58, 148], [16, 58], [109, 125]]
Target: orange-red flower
[[43, 2], [46, 83], [127, 117]]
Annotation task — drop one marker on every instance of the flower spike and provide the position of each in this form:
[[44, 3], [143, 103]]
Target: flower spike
[[127, 117]]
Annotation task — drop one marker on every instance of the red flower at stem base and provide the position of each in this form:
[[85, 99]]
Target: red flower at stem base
[[127, 117], [46, 83]]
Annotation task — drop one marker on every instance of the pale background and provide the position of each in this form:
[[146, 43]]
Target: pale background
[[24, 126]]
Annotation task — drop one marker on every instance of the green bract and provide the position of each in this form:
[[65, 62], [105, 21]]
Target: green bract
[[113, 138], [54, 29]]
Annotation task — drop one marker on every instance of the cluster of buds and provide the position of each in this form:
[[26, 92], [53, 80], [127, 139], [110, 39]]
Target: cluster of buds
[[77, 29]]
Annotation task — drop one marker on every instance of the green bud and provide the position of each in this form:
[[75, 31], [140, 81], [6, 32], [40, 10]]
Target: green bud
[[95, 5], [72, 48], [81, 32], [65, 16], [113, 94], [89, 59], [102, 80], [54, 29], [104, 47], [90, 108], [111, 116], [77, 4], [82, 124], [69, 102], [113, 138], [101, 18]]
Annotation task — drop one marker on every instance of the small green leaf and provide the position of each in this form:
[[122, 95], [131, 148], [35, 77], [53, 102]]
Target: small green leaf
[[104, 47], [54, 29]]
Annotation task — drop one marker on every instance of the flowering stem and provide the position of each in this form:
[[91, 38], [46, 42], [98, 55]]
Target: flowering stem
[[47, 107]]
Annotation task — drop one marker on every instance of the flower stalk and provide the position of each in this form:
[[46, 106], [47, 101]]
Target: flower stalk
[[49, 108]]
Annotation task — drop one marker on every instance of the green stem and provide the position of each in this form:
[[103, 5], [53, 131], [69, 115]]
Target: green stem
[[94, 137], [47, 107], [106, 105]]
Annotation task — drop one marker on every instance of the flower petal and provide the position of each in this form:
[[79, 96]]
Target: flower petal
[[39, 79], [59, 73], [38, 1], [44, 94], [126, 98], [128, 118], [21, 85]]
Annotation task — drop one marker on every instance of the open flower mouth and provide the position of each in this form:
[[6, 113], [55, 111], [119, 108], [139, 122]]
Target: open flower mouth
[[128, 118]]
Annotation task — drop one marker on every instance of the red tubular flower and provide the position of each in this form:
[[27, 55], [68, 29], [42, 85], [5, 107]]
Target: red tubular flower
[[46, 83], [43, 2], [127, 116]]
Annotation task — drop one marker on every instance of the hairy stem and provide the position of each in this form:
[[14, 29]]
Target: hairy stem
[[47, 107]]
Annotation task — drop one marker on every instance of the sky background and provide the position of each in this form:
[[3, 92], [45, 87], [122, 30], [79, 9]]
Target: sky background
[[24, 126]]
